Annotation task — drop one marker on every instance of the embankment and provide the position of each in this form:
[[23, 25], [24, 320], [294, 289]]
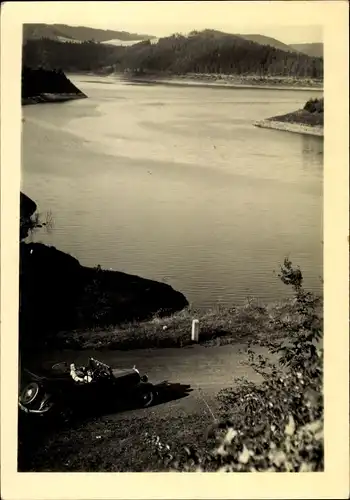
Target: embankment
[[252, 321], [42, 85]]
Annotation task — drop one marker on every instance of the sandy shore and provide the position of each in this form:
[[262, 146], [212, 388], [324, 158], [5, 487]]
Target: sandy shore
[[47, 97], [291, 127]]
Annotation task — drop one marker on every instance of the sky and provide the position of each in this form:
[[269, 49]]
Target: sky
[[287, 21]]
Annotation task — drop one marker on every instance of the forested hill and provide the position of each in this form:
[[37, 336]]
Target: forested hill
[[76, 33], [207, 51]]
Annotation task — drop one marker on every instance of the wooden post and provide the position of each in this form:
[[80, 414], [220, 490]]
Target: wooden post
[[195, 330]]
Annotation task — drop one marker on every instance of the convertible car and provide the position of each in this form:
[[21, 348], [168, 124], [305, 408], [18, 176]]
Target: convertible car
[[66, 387]]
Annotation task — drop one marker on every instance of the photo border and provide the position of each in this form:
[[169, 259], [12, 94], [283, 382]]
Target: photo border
[[334, 481]]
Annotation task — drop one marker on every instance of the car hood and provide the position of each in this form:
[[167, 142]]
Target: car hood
[[125, 372]]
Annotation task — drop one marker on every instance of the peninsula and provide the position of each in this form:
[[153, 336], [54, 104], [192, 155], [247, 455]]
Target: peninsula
[[308, 120]]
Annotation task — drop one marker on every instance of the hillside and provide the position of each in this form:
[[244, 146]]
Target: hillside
[[211, 51], [69, 56], [78, 33], [266, 40], [310, 49], [38, 31], [118, 43], [208, 51]]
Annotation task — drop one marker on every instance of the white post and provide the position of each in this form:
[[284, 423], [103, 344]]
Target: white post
[[195, 330]]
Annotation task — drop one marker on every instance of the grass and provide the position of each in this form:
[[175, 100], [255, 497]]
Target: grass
[[218, 326], [110, 445], [302, 117]]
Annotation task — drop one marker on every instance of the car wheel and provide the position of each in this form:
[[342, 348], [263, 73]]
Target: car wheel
[[29, 394], [147, 397]]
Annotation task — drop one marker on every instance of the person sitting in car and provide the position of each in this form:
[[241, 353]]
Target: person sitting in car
[[81, 375]]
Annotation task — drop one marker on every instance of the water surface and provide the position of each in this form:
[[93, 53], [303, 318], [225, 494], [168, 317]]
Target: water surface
[[176, 184]]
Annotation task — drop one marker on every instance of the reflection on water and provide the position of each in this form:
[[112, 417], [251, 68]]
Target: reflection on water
[[313, 152], [177, 184], [312, 146]]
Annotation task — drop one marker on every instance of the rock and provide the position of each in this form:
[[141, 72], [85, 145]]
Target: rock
[[27, 209], [27, 206]]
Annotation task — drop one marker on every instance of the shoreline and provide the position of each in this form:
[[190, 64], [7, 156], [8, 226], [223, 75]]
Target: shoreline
[[219, 326], [51, 98], [298, 128], [229, 81]]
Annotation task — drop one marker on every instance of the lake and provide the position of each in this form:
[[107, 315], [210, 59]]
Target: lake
[[176, 184]]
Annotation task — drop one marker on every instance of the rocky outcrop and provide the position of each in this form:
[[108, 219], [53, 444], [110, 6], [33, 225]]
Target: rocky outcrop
[[42, 85], [27, 206]]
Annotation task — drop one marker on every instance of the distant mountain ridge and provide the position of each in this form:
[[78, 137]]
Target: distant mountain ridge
[[266, 40], [77, 33], [310, 49], [260, 39], [207, 52]]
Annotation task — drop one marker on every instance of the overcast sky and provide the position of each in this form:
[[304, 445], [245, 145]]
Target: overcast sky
[[284, 20]]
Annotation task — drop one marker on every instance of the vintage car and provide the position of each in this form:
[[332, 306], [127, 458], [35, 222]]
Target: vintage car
[[66, 387]]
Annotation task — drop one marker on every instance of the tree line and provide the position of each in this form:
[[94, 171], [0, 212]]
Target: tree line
[[68, 56], [200, 52], [315, 106]]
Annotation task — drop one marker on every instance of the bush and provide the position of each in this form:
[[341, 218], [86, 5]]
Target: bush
[[28, 225], [276, 425], [314, 105]]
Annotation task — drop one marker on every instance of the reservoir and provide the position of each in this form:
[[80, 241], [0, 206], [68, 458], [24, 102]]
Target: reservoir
[[175, 184]]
